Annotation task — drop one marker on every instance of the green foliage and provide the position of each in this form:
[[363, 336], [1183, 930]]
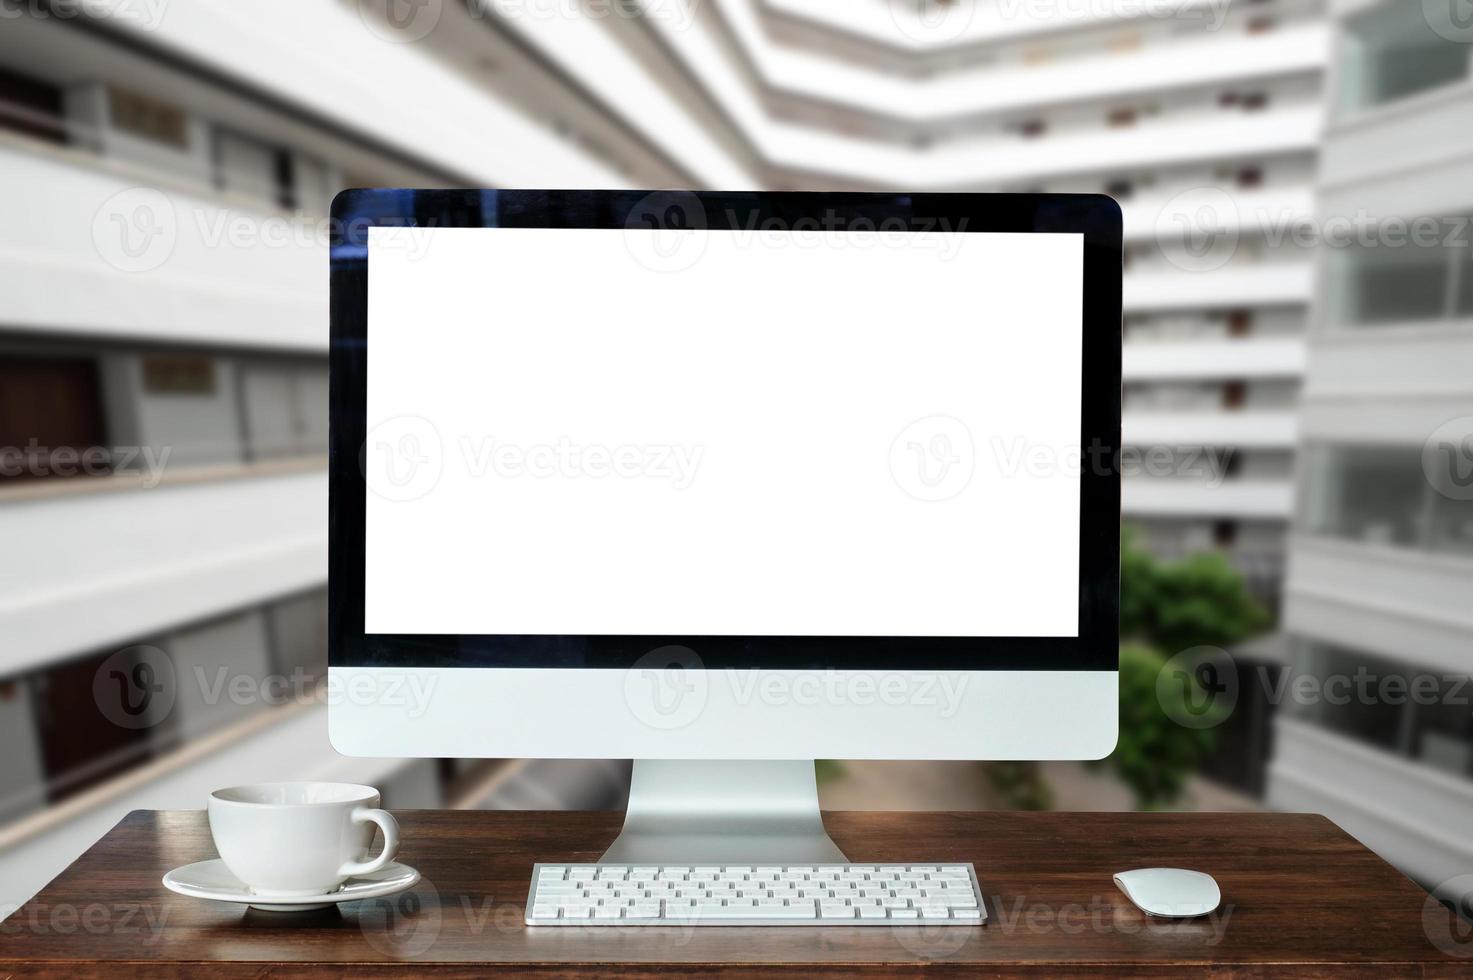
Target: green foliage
[[1198, 601], [827, 769], [1021, 785], [1155, 756], [1172, 607]]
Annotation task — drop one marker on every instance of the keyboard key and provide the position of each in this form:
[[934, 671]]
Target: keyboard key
[[792, 910]]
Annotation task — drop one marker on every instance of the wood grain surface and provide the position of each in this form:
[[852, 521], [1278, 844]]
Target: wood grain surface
[[1301, 898]]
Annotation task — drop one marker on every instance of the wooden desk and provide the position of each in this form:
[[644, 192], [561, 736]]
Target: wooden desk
[[1300, 898]]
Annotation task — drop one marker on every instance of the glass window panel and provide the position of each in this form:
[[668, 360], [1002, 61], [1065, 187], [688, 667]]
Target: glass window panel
[[1442, 731], [1452, 501], [1393, 52], [1368, 493], [1345, 697], [1381, 285], [1464, 301]]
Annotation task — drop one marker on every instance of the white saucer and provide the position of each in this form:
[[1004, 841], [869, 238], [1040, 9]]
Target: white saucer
[[212, 880]]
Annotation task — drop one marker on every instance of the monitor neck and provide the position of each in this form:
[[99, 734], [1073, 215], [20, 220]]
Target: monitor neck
[[696, 811]]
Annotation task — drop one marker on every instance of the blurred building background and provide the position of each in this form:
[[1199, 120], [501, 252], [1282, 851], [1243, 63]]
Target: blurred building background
[[163, 338], [1381, 558]]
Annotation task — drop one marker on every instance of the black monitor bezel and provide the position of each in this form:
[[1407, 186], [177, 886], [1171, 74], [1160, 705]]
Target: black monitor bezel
[[1096, 217]]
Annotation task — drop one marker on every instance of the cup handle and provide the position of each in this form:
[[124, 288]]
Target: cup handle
[[390, 828]]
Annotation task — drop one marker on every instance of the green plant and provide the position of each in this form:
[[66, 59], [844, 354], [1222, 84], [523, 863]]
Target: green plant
[[825, 770], [1170, 606], [1021, 785], [1154, 755], [1197, 601]]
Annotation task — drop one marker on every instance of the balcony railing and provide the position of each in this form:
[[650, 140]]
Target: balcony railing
[[1382, 599], [1244, 429], [107, 567], [965, 93], [900, 26], [1204, 359], [1232, 286], [99, 248], [1426, 133], [580, 48], [384, 104], [1246, 499], [1267, 211]]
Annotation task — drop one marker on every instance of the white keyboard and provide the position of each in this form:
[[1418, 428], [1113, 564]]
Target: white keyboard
[[760, 895]]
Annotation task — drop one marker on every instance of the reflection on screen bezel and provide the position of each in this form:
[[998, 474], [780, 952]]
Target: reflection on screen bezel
[[1095, 217]]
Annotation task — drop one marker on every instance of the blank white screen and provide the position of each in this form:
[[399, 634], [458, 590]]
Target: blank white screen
[[804, 384]]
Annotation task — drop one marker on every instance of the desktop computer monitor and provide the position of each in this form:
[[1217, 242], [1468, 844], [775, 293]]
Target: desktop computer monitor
[[724, 483]]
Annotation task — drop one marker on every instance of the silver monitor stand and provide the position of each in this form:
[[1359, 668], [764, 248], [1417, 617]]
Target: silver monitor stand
[[689, 812]]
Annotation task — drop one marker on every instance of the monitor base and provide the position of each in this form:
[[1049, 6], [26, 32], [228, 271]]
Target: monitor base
[[684, 811]]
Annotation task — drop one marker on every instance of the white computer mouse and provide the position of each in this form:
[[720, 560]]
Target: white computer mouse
[[1173, 893]]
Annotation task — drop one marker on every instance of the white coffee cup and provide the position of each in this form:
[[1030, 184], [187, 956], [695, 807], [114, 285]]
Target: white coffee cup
[[287, 839]]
